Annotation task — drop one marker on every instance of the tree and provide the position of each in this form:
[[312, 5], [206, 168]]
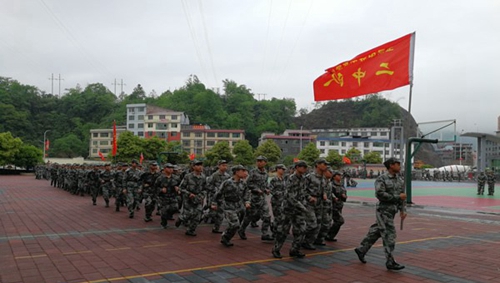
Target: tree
[[152, 147], [309, 154], [28, 156], [175, 154], [9, 147], [334, 158], [219, 151], [353, 154], [288, 160], [270, 150], [243, 153], [373, 157], [129, 147], [69, 146]]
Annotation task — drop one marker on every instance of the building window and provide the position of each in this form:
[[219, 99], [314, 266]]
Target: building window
[[173, 134], [223, 135], [322, 151], [104, 135], [186, 143], [233, 143], [373, 134], [94, 142], [95, 135], [321, 143], [174, 117], [333, 143], [186, 135], [140, 117], [383, 134], [366, 144], [162, 135], [236, 135], [378, 144], [150, 125], [140, 109], [140, 126], [162, 117], [198, 135], [198, 151], [131, 110], [105, 150], [210, 135], [130, 126], [344, 144], [210, 143], [387, 144], [150, 134], [355, 144], [173, 125], [150, 117], [365, 152], [94, 150], [131, 117], [140, 134], [103, 142], [343, 151]]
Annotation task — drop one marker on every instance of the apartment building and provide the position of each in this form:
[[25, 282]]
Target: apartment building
[[291, 142], [102, 140], [198, 139]]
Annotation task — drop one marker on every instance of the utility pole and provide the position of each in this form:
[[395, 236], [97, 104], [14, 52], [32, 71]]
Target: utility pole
[[59, 79], [52, 88], [115, 86], [121, 84]]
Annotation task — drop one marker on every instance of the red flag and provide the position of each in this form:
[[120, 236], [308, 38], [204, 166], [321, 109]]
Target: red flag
[[47, 144], [385, 67], [101, 155], [295, 160], [346, 160], [115, 146], [191, 156], [141, 159]]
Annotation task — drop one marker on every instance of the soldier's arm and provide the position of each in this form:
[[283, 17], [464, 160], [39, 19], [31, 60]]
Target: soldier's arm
[[292, 197]]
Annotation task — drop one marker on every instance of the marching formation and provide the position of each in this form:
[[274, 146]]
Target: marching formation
[[306, 201]]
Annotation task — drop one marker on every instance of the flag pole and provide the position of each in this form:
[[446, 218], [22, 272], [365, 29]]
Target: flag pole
[[409, 103]]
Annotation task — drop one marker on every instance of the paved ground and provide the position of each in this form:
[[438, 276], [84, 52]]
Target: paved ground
[[47, 235]]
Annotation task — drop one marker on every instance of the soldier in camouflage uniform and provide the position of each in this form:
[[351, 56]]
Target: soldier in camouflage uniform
[[93, 183], [315, 195], [294, 213], [149, 192], [339, 197], [259, 209], [233, 197], [167, 186], [214, 182], [481, 180], [389, 192], [193, 188], [491, 182], [132, 178], [324, 216], [277, 188], [120, 186], [106, 181]]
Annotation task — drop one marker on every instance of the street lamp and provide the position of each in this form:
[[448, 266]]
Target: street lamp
[[44, 143]]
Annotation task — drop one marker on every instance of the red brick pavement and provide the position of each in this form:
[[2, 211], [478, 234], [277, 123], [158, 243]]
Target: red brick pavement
[[48, 235]]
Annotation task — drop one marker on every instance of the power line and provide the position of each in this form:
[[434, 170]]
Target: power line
[[208, 42]]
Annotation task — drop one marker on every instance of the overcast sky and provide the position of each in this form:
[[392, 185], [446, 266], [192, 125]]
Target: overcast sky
[[276, 48]]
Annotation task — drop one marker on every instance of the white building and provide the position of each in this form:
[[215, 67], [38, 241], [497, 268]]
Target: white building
[[364, 139]]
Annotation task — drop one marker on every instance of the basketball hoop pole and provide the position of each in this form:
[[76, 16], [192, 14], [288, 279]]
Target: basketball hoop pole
[[409, 156]]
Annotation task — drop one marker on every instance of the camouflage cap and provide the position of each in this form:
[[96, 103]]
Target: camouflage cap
[[301, 163], [197, 162], [280, 166], [222, 161], [134, 161], [238, 168], [391, 161], [169, 165], [261, 158], [322, 160]]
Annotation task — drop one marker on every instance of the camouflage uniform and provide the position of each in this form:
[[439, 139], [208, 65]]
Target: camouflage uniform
[[315, 189], [338, 204], [149, 193], [257, 184], [491, 183], [193, 185], [481, 180], [93, 182], [120, 199], [387, 190], [106, 180], [294, 215], [168, 200], [232, 197], [277, 188], [324, 216], [214, 183], [132, 177]]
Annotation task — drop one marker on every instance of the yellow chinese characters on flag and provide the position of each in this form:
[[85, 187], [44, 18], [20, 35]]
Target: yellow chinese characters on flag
[[385, 67]]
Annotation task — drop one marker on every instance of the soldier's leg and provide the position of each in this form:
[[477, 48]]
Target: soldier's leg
[[130, 203], [371, 237], [105, 195], [312, 227], [299, 227], [338, 221], [266, 221], [325, 224], [282, 229], [149, 206], [233, 224], [218, 218]]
